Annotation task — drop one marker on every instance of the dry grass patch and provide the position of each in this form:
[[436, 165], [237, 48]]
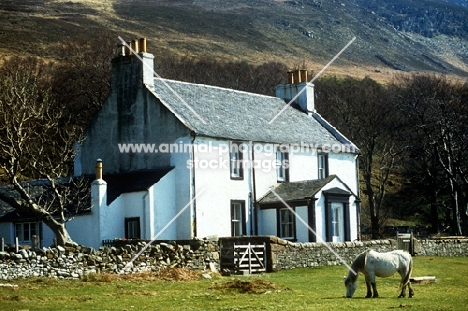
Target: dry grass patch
[[168, 274], [178, 274], [255, 286]]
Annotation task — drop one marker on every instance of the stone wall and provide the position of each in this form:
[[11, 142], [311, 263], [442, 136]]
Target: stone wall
[[287, 255], [442, 247], [73, 262]]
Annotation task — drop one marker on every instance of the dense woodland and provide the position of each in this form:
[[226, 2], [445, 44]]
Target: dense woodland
[[412, 133]]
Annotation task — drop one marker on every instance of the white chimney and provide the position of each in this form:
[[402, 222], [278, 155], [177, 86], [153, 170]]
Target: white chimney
[[299, 90]]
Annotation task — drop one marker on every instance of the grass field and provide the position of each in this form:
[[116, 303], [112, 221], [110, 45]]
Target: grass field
[[298, 289]]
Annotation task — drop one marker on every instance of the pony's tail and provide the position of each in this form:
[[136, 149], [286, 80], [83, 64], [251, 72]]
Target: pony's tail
[[406, 280]]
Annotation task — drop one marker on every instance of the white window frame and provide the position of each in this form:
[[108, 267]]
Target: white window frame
[[235, 160], [288, 224], [322, 160], [337, 222], [282, 166], [237, 218]]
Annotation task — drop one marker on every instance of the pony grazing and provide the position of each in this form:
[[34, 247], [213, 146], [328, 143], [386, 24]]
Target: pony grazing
[[373, 264]]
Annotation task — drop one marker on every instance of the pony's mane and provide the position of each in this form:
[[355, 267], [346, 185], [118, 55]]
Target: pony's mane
[[357, 265], [360, 261]]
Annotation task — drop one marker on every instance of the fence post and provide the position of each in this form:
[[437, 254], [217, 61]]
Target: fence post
[[16, 245], [35, 242], [2, 245]]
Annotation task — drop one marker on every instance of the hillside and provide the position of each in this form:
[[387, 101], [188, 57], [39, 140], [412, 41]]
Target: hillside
[[391, 35]]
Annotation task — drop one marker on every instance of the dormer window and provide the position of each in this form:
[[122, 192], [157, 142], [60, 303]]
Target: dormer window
[[236, 156], [282, 165]]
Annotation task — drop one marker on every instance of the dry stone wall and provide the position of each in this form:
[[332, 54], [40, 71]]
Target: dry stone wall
[[287, 255], [73, 262], [442, 247]]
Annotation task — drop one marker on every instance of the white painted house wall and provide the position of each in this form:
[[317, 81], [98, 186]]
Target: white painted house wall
[[212, 176], [160, 209]]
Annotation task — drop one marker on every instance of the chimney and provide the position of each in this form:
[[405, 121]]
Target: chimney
[[132, 67], [298, 84], [98, 169]]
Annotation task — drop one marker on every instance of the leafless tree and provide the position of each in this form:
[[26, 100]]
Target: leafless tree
[[362, 111], [82, 77], [437, 111], [36, 143]]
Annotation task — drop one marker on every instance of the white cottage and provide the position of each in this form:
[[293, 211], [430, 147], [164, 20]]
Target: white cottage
[[182, 160]]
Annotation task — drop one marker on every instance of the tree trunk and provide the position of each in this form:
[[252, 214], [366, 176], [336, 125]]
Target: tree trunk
[[434, 211], [455, 213], [61, 233], [373, 213]]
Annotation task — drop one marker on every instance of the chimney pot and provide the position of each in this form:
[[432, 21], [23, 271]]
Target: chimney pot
[[290, 77], [128, 51], [297, 76], [304, 77], [120, 49], [98, 169], [134, 46], [143, 45]]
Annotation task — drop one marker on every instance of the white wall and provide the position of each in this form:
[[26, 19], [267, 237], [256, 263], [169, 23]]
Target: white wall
[[302, 231], [84, 230], [212, 175], [209, 172], [344, 166], [162, 223], [183, 189]]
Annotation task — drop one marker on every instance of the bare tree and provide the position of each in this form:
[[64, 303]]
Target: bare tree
[[82, 79], [363, 112], [36, 143], [438, 115]]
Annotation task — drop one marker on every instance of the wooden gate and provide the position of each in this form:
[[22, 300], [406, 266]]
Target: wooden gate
[[244, 258], [405, 242]]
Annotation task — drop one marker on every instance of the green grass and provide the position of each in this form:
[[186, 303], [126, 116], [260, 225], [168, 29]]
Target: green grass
[[298, 289]]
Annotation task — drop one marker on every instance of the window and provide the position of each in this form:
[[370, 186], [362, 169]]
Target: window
[[286, 224], [337, 217], [282, 163], [235, 156], [25, 231], [132, 228], [238, 226], [322, 165], [337, 222]]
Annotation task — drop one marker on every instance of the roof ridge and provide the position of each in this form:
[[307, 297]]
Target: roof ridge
[[217, 87]]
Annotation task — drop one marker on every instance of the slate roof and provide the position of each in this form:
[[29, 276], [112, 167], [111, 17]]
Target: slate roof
[[301, 190], [237, 115]]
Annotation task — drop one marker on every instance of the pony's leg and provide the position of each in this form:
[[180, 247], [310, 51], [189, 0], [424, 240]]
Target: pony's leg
[[411, 291], [369, 292], [403, 292], [374, 287], [368, 284]]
